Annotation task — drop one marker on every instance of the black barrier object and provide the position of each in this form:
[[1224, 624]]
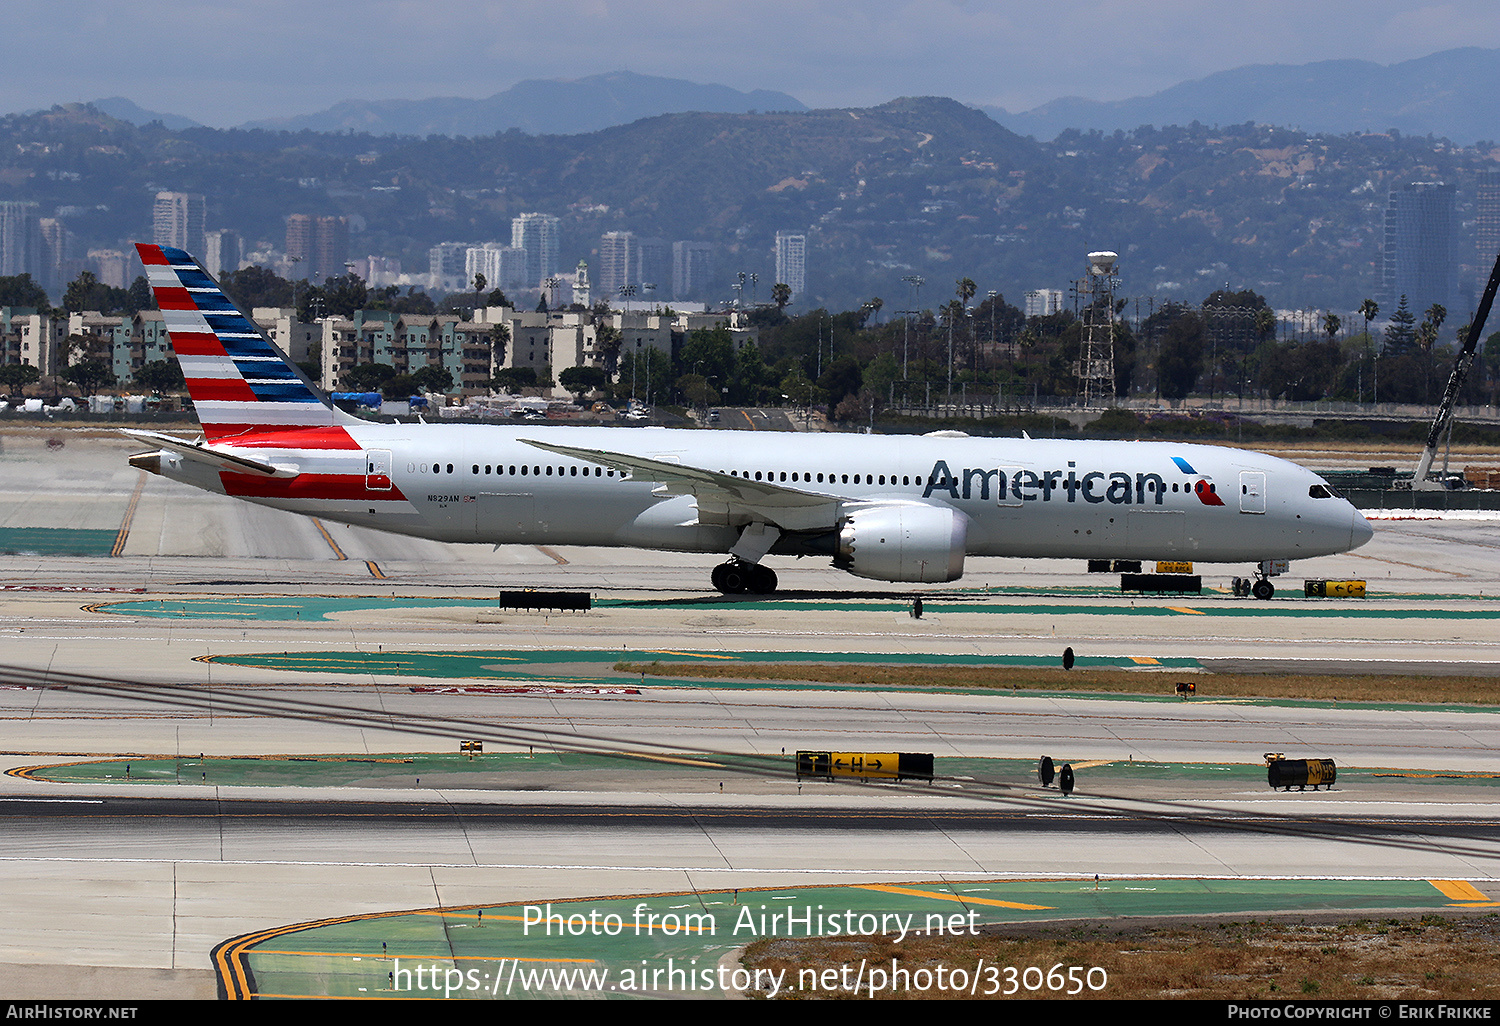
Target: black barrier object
[[1067, 659], [1044, 771], [1176, 583], [1300, 773], [1065, 779], [564, 600], [1127, 566], [915, 766], [1098, 566]]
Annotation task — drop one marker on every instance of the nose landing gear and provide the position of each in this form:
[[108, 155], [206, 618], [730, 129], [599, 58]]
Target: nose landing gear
[[1261, 586]]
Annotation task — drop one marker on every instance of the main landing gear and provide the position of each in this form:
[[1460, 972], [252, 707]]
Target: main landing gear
[[737, 577]]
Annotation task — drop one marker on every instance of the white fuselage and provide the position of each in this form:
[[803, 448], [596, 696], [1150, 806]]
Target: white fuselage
[[1021, 497]]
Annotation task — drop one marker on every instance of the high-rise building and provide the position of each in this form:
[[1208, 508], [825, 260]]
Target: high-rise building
[[109, 266], [299, 245], [222, 251], [379, 271], [538, 235], [692, 266], [20, 238], [447, 267], [56, 265], [1486, 225], [330, 247], [1421, 247], [1043, 302], [317, 247], [652, 265], [177, 220], [791, 261], [502, 266], [616, 264]]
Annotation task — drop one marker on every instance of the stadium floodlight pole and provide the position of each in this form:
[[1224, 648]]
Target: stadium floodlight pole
[[994, 295], [916, 281]]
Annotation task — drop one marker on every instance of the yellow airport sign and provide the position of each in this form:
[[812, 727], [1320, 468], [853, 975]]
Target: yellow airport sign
[[865, 765]]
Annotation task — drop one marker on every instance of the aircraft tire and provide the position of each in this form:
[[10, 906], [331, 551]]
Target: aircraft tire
[[1263, 589], [731, 578], [762, 580]]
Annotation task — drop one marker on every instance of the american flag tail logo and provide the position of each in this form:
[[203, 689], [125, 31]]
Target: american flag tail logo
[[241, 384]]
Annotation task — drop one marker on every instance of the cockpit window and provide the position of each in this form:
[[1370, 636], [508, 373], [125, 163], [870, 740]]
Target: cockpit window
[[1322, 491]]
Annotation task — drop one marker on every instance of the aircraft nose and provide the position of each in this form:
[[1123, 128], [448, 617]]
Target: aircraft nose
[[1360, 530]]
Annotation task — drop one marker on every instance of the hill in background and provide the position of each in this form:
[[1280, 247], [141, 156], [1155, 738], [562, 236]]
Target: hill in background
[[1449, 94], [537, 106]]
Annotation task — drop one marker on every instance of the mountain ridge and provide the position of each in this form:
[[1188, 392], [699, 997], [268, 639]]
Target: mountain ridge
[[1448, 94], [538, 107]]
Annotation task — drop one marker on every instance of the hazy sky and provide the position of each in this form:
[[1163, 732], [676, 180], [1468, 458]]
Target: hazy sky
[[223, 62]]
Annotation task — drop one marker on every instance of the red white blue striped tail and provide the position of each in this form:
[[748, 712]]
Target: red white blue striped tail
[[240, 382]]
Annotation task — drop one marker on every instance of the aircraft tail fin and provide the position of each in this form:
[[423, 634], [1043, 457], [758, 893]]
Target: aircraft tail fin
[[241, 384]]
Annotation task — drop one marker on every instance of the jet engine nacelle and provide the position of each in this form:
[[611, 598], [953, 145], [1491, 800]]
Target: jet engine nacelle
[[904, 543]]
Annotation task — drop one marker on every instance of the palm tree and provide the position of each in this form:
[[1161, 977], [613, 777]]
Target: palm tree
[[965, 289], [1427, 336], [479, 284], [1370, 310], [499, 343]]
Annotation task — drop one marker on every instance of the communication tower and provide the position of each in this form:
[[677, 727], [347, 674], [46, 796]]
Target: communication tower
[[1096, 357]]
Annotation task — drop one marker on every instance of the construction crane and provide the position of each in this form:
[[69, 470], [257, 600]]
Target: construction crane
[[1423, 480]]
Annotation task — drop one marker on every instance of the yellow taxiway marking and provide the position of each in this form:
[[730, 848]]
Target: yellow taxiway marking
[[1185, 609], [966, 900], [376, 956], [329, 539], [135, 497], [694, 655], [1465, 892], [1145, 661]]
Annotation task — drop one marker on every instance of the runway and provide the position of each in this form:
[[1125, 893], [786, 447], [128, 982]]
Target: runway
[[150, 876]]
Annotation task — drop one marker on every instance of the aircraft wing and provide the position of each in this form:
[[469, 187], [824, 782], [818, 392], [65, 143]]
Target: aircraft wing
[[722, 498], [212, 457]]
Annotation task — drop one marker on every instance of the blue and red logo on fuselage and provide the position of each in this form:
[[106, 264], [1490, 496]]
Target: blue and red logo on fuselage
[[1203, 487]]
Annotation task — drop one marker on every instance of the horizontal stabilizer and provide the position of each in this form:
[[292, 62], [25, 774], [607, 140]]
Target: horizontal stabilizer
[[212, 457]]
